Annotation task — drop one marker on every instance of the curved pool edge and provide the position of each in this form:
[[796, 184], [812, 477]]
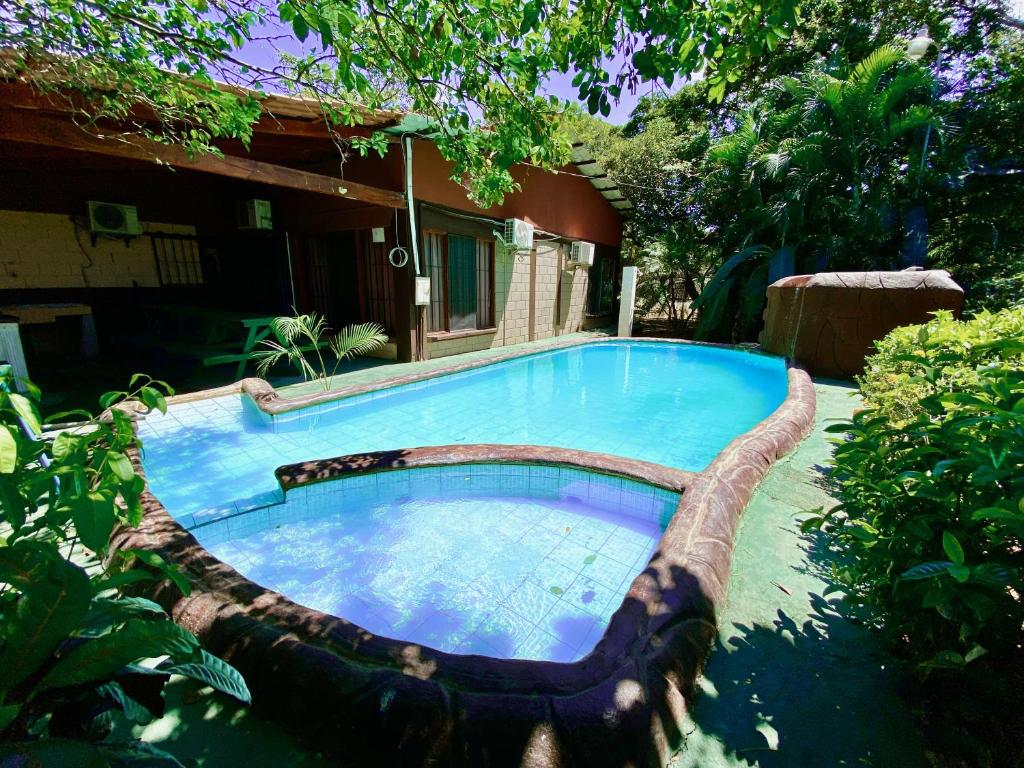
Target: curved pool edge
[[366, 698], [322, 470]]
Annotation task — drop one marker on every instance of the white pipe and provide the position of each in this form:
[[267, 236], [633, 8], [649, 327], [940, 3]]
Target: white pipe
[[407, 154]]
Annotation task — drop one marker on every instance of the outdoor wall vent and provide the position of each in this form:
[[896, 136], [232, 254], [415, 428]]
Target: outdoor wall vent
[[254, 214], [113, 219], [518, 235], [581, 254]]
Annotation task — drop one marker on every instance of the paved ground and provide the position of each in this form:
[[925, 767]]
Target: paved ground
[[791, 682]]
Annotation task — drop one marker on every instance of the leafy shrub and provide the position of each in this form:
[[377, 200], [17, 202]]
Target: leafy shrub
[[931, 511], [72, 647], [942, 355]]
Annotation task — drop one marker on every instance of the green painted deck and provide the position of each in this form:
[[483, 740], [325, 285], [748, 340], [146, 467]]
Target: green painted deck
[[790, 683]]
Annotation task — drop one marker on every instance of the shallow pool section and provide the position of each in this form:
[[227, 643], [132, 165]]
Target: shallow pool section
[[672, 404], [509, 561]]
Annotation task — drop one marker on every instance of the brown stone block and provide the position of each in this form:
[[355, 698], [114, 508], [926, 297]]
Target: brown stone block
[[829, 322]]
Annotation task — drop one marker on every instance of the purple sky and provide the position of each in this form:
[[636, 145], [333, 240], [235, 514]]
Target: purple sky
[[263, 54]]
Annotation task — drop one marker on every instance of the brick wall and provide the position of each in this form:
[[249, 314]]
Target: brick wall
[[512, 302], [41, 250]]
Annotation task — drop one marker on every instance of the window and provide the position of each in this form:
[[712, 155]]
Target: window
[[461, 272], [177, 259], [601, 289]]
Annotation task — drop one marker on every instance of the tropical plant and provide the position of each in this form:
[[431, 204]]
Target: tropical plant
[[955, 353], [824, 173], [73, 648], [931, 512], [476, 69], [301, 337]]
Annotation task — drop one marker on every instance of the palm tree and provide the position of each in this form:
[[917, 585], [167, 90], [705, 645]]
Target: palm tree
[[300, 337], [823, 168]]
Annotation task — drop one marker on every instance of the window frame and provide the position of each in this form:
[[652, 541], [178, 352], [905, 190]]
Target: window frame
[[444, 269]]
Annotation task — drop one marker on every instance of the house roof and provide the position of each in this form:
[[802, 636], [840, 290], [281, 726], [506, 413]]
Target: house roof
[[585, 163], [581, 158], [309, 111]]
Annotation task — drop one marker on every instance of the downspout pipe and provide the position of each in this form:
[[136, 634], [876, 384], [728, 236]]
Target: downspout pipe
[[410, 202]]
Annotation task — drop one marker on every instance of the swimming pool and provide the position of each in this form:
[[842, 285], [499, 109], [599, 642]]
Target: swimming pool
[[501, 560], [676, 405], [375, 685]]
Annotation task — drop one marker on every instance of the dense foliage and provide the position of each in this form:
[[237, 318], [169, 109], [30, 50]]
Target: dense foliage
[[931, 490], [477, 68], [955, 354], [73, 648], [821, 174], [763, 183]]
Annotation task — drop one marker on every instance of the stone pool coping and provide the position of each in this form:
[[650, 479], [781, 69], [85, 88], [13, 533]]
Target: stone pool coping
[[369, 699]]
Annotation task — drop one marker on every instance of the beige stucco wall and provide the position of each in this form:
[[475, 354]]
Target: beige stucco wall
[[40, 250], [512, 303]]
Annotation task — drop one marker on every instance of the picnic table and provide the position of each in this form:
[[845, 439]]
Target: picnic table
[[225, 336]]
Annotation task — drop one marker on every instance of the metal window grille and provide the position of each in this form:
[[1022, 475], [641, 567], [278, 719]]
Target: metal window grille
[[178, 259]]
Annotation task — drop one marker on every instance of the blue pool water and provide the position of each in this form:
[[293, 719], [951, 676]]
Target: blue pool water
[[672, 404], [508, 561]]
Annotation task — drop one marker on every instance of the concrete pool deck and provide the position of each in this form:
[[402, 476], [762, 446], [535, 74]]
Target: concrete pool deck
[[790, 681]]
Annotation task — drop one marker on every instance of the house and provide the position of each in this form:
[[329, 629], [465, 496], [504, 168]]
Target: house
[[138, 240]]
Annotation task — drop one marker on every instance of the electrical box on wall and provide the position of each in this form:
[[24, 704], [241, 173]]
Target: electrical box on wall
[[518, 235], [378, 234], [422, 291], [581, 254], [113, 219], [254, 214]]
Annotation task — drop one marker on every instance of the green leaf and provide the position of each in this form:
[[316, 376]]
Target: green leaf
[[94, 517], [975, 653], [27, 410], [7, 714], [945, 660], [105, 613], [132, 709], [12, 503], [8, 450], [214, 672], [926, 570], [960, 572], [54, 598], [952, 547], [121, 466], [102, 657], [66, 444]]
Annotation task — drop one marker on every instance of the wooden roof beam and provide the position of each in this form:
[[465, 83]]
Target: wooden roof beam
[[33, 127]]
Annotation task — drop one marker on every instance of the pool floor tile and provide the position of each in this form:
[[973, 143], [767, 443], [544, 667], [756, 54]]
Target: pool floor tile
[[444, 571]]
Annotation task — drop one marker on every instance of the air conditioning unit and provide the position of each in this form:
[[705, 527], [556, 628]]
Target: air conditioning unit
[[114, 219], [581, 254], [518, 235], [254, 214]]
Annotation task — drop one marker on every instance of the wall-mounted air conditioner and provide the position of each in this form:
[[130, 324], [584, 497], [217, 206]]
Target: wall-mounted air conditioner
[[518, 235], [113, 219], [254, 214], [581, 254]]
